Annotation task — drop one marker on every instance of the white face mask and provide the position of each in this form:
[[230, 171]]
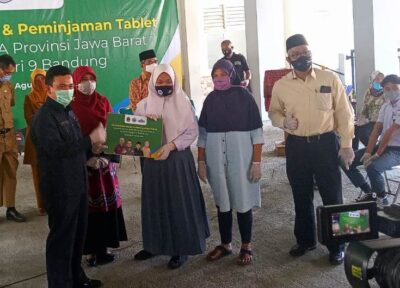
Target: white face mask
[[150, 68], [87, 87]]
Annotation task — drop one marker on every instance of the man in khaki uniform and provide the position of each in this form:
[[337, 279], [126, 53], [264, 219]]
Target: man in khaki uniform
[[312, 107], [8, 143]]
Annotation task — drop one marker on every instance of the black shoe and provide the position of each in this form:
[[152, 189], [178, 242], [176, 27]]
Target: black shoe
[[367, 197], [14, 215], [177, 261], [104, 258], [91, 283], [298, 250], [143, 255], [336, 258], [91, 262]]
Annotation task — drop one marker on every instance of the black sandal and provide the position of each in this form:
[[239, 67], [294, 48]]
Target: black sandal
[[177, 261], [242, 257], [218, 252]]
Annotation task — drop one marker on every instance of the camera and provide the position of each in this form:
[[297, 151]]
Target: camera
[[374, 236]]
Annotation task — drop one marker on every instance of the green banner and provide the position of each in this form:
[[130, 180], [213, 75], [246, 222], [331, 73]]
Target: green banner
[[106, 35]]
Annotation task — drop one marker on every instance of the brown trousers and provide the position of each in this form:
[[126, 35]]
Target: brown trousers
[[8, 169], [35, 176]]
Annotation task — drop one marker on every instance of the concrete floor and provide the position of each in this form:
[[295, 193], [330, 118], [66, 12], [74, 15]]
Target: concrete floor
[[22, 245]]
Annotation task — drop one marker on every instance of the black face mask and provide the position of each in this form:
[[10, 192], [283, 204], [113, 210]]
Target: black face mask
[[302, 64], [164, 90]]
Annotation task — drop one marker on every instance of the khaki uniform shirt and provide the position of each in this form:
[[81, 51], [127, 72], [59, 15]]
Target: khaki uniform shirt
[[138, 90], [7, 100], [319, 103]]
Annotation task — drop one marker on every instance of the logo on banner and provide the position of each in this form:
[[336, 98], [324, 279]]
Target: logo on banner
[[10, 5]]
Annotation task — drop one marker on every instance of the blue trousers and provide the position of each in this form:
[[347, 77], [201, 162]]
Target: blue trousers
[[389, 159]]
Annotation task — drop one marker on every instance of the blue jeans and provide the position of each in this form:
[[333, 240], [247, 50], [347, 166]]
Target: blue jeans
[[389, 159]]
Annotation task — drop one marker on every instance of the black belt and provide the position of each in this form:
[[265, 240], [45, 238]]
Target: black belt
[[313, 138], [4, 130]]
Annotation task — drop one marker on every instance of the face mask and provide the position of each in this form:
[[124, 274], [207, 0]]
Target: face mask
[[64, 97], [164, 90], [222, 83], [150, 68], [392, 96], [227, 52], [377, 86], [5, 78], [303, 63], [87, 87]]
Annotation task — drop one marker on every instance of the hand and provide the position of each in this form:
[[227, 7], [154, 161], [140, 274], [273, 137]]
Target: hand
[[98, 135], [164, 151], [370, 160], [362, 121], [103, 162], [245, 83], [93, 162], [290, 122], [98, 148], [255, 172], [365, 158], [202, 171], [152, 116], [347, 156]]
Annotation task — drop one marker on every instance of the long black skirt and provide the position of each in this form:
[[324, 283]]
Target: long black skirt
[[174, 220], [105, 229]]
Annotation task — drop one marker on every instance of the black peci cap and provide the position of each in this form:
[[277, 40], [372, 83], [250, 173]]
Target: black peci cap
[[147, 55], [295, 40]]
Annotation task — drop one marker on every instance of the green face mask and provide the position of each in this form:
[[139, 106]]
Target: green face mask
[[64, 97]]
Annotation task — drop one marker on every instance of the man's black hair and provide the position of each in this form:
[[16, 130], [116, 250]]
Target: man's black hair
[[5, 61], [55, 71]]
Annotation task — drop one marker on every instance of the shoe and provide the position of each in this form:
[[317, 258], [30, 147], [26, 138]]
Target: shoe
[[143, 255], [177, 261], [384, 200], [14, 215], [367, 197], [298, 250], [42, 212], [91, 283], [336, 258], [105, 258], [91, 262]]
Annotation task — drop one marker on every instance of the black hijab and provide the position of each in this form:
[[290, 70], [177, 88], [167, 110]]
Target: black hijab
[[229, 110]]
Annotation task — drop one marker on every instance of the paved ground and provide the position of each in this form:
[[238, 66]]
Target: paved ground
[[22, 262]]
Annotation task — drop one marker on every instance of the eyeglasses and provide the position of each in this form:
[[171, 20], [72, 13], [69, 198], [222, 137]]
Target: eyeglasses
[[296, 55]]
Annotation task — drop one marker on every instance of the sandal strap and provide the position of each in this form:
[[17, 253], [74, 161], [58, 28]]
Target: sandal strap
[[246, 251]]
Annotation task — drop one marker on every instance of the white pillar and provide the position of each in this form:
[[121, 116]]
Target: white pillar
[[375, 40], [364, 47], [265, 42], [192, 47]]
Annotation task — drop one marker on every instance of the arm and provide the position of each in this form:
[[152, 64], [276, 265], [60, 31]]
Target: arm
[[386, 138], [343, 114], [46, 135], [28, 111], [12, 95], [276, 109], [134, 94], [364, 111], [257, 138], [373, 138], [248, 74], [186, 138]]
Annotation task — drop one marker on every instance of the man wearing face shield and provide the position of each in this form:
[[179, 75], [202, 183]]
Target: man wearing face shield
[[8, 143], [380, 157], [243, 73], [312, 107], [138, 88]]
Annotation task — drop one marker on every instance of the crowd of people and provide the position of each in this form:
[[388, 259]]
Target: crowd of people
[[77, 186]]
